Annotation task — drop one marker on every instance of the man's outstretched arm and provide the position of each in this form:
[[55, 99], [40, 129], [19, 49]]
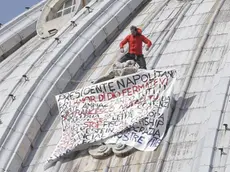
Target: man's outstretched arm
[[124, 42], [146, 41]]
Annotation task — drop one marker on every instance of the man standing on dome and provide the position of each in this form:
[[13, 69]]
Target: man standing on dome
[[135, 40]]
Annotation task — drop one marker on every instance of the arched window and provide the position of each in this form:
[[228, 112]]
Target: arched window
[[66, 8], [56, 13]]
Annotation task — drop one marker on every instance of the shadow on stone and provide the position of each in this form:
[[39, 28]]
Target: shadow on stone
[[185, 104]]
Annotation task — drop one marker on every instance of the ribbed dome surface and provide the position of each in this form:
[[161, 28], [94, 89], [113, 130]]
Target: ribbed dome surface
[[189, 36]]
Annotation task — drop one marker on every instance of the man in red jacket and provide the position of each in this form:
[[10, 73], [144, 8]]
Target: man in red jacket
[[135, 40]]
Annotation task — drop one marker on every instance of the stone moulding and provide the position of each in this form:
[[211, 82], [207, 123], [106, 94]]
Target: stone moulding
[[18, 31]]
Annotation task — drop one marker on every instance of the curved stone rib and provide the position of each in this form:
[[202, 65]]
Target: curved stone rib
[[18, 31], [185, 86]]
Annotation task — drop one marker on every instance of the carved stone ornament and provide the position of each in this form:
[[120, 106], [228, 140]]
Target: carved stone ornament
[[105, 150]]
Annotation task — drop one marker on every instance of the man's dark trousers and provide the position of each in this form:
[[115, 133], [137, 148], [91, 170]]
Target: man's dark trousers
[[140, 59]]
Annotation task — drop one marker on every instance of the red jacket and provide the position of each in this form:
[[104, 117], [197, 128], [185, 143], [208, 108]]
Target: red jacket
[[135, 43]]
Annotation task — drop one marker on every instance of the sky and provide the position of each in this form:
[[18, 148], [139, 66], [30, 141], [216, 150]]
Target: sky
[[12, 8]]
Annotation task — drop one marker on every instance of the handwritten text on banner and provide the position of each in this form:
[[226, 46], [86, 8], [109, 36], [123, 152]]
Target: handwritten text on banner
[[131, 109]]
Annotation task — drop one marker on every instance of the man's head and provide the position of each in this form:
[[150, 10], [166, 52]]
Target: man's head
[[133, 30]]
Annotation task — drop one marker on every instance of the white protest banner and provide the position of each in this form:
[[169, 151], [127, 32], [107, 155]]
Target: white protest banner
[[147, 133], [131, 109]]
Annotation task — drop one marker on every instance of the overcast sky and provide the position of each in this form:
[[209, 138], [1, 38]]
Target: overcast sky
[[12, 8]]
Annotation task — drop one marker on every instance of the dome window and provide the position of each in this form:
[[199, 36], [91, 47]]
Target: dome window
[[66, 8], [56, 13]]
